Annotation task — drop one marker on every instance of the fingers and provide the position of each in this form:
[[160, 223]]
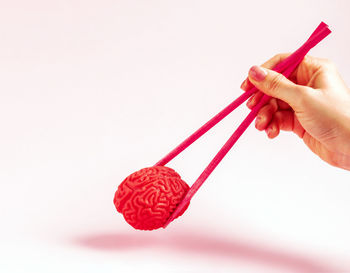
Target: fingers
[[273, 129], [246, 85], [282, 105], [270, 64], [254, 99], [278, 113], [307, 68], [276, 85], [265, 115], [284, 120], [281, 120]]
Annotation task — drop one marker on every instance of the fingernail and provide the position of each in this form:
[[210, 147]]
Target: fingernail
[[269, 131], [249, 102], [257, 73], [244, 85], [257, 121]]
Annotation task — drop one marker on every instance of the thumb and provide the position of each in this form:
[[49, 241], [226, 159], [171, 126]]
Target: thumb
[[276, 85]]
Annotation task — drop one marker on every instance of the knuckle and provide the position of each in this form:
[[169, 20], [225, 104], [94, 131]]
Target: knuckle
[[275, 82], [278, 116], [328, 64], [277, 58], [274, 105]]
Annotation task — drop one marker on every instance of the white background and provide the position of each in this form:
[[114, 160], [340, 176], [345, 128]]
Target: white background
[[92, 91]]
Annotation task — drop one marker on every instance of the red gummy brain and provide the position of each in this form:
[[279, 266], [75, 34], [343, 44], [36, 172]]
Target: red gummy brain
[[149, 196]]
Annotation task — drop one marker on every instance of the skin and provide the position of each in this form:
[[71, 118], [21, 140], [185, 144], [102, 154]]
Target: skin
[[314, 103]]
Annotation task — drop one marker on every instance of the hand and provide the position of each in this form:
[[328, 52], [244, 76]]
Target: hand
[[314, 104]]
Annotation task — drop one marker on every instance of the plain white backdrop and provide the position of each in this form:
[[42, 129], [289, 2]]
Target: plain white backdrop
[[92, 91]]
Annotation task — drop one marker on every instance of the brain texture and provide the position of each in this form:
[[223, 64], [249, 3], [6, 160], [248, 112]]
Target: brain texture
[[149, 196]]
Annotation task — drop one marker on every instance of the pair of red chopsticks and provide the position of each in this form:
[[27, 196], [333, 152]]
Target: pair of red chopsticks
[[286, 67]]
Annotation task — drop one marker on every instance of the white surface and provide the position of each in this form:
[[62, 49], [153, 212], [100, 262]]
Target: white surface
[[94, 90]]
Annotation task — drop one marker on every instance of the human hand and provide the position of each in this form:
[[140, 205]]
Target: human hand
[[314, 104]]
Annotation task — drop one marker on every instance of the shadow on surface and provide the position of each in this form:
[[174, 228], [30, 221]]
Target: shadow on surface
[[208, 246]]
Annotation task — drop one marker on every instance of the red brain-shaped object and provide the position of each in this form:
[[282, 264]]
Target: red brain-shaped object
[[149, 196]]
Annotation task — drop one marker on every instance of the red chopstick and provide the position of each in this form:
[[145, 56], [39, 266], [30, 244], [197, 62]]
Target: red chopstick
[[233, 105], [285, 67]]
